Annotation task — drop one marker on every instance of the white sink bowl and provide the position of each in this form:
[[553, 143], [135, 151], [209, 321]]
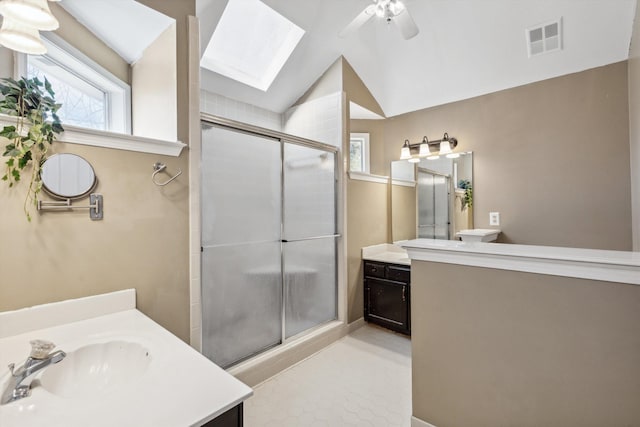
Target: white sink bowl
[[478, 235], [96, 368]]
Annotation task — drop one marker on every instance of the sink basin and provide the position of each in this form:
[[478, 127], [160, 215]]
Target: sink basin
[[478, 235], [96, 368]]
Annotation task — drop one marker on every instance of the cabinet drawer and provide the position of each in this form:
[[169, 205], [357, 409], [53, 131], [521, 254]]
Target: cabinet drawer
[[374, 269], [398, 274]]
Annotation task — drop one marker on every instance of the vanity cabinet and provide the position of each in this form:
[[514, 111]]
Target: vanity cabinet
[[387, 295], [231, 418]]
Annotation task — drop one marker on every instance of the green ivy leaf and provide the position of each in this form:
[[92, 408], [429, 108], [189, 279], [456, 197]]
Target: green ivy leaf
[[24, 160]]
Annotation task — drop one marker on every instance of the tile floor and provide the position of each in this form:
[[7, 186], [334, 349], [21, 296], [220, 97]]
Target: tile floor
[[364, 379]]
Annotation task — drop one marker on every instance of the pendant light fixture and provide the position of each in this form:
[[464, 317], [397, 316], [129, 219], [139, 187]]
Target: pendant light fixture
[[33, 13], [20, 37]]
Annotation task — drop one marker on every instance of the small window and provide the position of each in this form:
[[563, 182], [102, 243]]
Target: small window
[[359, 153], [91, 97]]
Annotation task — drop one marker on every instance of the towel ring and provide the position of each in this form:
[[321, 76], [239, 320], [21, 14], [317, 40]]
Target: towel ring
[[159, 167]]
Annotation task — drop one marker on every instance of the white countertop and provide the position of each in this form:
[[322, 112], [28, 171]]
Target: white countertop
[[386, 252], [606, 265], [180, 387]]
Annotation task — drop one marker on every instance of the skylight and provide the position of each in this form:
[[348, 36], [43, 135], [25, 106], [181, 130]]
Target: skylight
[[251, 43]]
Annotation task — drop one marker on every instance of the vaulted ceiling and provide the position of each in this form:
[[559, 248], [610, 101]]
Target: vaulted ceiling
[[465, 48]]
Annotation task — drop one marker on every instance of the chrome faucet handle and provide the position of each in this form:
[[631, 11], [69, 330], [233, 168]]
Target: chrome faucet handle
[[40, 349]]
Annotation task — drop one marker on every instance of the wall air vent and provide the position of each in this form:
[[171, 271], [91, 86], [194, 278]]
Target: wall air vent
[[544, 38]]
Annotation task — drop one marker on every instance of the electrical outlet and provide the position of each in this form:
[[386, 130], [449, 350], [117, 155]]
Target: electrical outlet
[[494, 218]]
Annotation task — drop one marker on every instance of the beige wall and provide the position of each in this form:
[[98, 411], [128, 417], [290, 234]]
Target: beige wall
[[142, 242], [552, 157], [634, 127], [153, 95], [403, 213], [368, 220], [6, 62], [357, 90], [180, 11], [367, 224], [494, 348]]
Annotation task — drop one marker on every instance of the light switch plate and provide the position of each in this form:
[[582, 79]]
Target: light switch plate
[[494, 218]]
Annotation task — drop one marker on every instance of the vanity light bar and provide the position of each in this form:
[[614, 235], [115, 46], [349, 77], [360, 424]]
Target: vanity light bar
[[423, 149]]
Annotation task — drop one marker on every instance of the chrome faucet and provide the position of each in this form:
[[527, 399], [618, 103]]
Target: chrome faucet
[[20, 381]]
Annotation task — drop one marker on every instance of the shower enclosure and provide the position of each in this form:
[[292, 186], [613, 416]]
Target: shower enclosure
[[269, 239], [433, 191]]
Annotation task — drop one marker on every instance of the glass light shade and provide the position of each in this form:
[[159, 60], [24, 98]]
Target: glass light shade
[[424, 150], [445, 148], [405, 153], [453, 155], [21, 38], [396, 6], [34, 13], [436, 157], [414, 160]]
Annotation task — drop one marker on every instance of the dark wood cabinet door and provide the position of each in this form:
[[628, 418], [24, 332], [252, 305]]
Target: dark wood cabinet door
[[232, 418], [387, 303]]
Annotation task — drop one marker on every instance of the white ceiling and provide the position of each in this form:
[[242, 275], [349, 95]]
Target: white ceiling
[[126, 26], [465, 48]]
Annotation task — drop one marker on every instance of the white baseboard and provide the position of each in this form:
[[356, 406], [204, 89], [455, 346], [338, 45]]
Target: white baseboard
[[356, 324], [417, 422]]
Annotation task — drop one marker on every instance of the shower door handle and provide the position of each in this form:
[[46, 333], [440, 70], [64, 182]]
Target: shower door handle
[[328, 236]]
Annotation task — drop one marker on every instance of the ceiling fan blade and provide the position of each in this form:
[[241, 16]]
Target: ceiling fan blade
[[407, 25], [358, 21]]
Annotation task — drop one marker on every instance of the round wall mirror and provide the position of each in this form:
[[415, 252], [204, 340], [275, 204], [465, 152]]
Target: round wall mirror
[[67, 176]]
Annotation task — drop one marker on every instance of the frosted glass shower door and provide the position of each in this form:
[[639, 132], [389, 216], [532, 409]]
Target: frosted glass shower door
[[241, 247], [426, 206], [441, 202], [433, 205], [309, 238]]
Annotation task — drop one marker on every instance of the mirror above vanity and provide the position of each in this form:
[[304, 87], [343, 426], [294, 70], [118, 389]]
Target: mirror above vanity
[[432, 198]]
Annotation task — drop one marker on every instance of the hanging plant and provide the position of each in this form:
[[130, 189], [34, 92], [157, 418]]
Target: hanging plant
[[467, 199], [33, 104]]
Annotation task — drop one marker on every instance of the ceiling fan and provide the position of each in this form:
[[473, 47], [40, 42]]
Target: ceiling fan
[[389, 10]]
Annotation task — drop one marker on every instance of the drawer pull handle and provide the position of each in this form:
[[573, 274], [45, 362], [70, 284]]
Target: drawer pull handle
[[404, 291]]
